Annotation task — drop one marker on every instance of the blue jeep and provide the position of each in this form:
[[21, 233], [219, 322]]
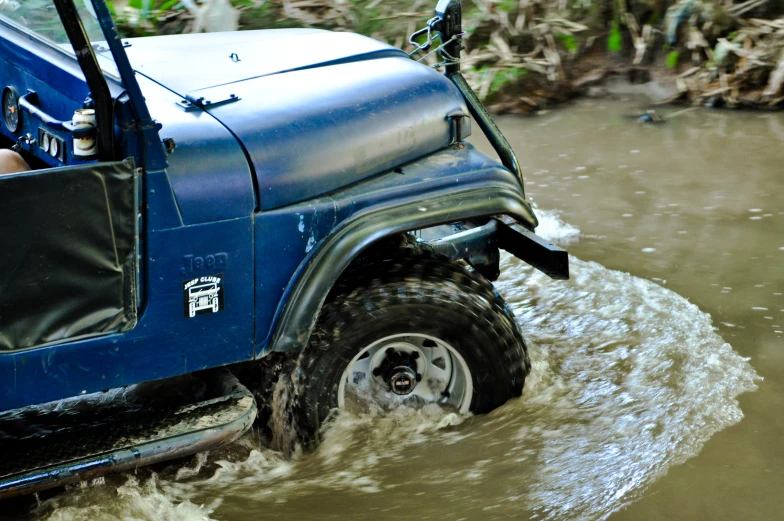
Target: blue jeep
[[200, 205]]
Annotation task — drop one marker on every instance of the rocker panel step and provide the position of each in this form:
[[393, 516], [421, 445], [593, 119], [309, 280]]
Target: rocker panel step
[[116, 439]]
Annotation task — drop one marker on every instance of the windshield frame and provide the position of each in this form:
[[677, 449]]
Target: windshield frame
[[100, 48], [88, 56]]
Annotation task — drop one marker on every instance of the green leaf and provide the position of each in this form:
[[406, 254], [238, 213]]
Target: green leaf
[[568, 41], [168, 4], [614, 39], [505, 77], [672, 59]]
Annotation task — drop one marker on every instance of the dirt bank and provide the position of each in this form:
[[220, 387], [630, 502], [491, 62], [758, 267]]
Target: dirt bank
[[523, 55]]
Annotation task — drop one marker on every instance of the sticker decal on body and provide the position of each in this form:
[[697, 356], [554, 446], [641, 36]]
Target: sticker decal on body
[[203, 295]]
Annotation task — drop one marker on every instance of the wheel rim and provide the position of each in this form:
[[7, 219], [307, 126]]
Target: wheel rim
[[369, 377]]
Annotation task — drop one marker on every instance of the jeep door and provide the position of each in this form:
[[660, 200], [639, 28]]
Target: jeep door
[[69, 227], [96, 251]]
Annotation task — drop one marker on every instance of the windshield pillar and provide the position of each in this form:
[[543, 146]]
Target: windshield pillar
[[153, 152], [99, 90]]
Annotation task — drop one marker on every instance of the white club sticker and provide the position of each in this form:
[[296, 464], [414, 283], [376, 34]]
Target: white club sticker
[[203, 295]]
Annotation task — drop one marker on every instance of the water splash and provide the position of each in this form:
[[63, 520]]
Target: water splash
[[628, 379], [105, 500], [552, 228]]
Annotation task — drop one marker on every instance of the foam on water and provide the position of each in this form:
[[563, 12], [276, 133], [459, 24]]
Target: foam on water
[[132, 499], [553, 228], [641, 384], [628, 379]]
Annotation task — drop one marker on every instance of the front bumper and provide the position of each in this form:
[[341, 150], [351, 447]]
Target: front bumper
[[479, 246]]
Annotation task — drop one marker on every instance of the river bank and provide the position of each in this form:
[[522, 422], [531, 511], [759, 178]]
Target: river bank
[[525, 55]]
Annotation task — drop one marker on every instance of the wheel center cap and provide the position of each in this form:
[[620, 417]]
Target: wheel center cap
[[403, 380], [399, 371]]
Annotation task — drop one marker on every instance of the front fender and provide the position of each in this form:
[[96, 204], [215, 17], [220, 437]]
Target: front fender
[[365, 228]]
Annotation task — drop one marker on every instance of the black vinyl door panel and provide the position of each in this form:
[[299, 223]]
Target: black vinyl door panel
[[68, 260]]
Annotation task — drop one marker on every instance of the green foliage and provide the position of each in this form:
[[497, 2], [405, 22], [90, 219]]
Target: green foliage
[[614, 39], [168, 5], [672, 59], [506, 77], [265, 16], [568, 41], [509, 6], [150, 9], [367, 21]]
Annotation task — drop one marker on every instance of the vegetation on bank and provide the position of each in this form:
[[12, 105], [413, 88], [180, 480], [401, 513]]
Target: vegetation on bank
[[522, 54]]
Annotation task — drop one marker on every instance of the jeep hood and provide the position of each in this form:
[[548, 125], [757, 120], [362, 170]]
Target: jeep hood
[[347, 107], [187, 63]]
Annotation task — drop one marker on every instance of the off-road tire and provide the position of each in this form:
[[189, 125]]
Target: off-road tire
[[426, 295]]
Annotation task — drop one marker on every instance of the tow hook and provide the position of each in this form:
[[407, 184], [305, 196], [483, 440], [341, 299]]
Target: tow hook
[[399, 371]]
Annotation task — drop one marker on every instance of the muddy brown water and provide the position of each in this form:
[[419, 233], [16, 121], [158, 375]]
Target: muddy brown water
[[658, 369]]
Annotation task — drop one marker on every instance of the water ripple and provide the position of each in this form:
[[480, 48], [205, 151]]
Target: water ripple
[[628, 379]]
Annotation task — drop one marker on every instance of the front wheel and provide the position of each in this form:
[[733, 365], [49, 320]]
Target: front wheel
[[411, 331]]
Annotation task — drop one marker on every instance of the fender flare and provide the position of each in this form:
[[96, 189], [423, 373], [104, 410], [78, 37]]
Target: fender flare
[[307, 292]]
